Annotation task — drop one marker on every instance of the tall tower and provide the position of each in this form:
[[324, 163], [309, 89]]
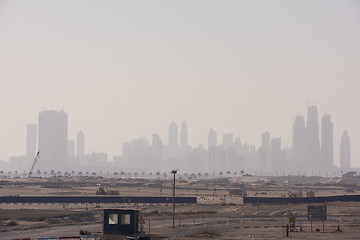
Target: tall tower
[[213, 151], [156, 153], [183, 135], [212, 138], [264, 153], [299, 143], [80, 144], [156, 147], [345, 151], [238, 146], [312, 139], [265, 140], [173, 134], [31, 137], [228, 140], [53, 132], [275, 154], [327, 159]]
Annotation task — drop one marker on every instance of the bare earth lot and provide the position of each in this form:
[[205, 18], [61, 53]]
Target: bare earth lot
[[217, 215]]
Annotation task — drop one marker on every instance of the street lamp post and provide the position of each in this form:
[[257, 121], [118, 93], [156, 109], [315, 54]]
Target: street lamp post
[[173, 200]]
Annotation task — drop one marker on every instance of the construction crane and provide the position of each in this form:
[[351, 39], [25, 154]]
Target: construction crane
[[34, 163]]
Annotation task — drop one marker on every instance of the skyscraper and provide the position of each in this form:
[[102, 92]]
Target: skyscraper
[[299, 144], [173, 134], [31, 137], [238, 146], [80, 144], [312, 139], [183, 136], [327, 159], [213, 151], [53, 130], [137, 153], [212, 138], [264, 153], [345, 151], [228, 140], [276, 159], [156, 153], [265, 140]]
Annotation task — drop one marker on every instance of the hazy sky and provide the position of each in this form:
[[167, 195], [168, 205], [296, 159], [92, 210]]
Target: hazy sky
[[126, 69]]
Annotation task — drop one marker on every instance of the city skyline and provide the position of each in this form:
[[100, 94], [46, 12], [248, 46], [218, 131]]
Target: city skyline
[[308, 152], [224, 111], [123, 69]]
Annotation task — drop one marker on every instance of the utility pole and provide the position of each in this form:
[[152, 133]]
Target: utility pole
[[173, 200]]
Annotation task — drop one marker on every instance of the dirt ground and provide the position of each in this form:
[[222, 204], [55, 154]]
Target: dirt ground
[[217, 215]]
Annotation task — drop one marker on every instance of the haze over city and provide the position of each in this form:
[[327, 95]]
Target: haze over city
[[201, 119], [124, 70]]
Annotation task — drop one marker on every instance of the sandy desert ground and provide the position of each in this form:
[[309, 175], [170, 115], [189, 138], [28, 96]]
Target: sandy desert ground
[[217, 215]]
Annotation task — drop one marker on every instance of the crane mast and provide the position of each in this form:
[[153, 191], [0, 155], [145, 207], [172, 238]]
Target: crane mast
[[34, 163]]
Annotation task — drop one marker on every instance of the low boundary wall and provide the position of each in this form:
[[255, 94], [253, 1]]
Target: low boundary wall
[[93, 199], [297, 200]]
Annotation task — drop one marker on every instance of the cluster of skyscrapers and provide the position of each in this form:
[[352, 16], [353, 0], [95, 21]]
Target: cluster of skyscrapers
[[50, 137], [311, 152]]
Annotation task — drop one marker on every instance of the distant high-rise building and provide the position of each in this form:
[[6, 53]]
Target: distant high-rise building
[[136, 153], [228, 152], [327, 159], [238, 146], [156, 152], [183, 136], [156, 147], [80, 144], [213, 151], [299, 143], [264, 153], [275, 154], [245, 152], [31, 138], [212, 138], [71, 148], [312, 139], [251, 157], [345, 151], [265, 140], [53, 132], [173, 134], [228, 140]]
